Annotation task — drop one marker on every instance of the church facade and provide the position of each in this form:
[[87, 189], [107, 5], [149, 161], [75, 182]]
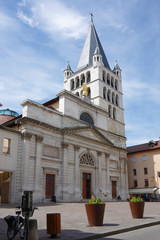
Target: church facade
[[74, 145]]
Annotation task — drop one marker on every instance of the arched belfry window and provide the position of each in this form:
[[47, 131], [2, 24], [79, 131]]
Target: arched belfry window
[[86, 118], [87, 159]]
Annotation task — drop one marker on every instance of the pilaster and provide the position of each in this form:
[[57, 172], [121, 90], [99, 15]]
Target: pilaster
[[99, 182], [64, 170], [108, 190], [26, 136], [39, 140], [76, 173]]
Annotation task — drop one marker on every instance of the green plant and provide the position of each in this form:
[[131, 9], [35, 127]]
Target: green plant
[[95, 200], [135, 199]]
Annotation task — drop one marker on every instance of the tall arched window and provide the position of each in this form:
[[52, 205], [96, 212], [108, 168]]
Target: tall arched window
[[112, 81], [114, 113], [89, 92], [113, 98], [108, 79], [117, 100], [104, 93], [88, 76], [72, 84], [116, 85], [82, 79], [109, 110], [104, 76], [109, 95], [86, 118], [77, 82]]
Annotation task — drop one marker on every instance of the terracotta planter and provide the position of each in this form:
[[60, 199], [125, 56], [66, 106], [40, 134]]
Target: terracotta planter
[[95, 214], [137, 209]]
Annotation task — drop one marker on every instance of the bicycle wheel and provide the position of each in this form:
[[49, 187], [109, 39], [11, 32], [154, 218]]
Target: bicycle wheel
[[10, 233]]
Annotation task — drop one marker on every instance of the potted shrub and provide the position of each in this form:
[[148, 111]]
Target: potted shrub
[[137, 206], [95, 211]]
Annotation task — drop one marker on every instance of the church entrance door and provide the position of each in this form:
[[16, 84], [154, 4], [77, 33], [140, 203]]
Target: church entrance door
[[86, 185], [114, 189], [50, 185]]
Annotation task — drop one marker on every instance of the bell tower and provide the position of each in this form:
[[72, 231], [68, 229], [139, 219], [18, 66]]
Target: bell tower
[[104, 85]]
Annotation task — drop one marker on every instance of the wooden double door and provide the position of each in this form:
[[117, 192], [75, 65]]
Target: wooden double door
[[86, 185], [114, 189], [50, 185]]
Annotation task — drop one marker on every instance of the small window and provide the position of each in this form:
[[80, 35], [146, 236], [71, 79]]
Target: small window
[[144, 157], [6, 145], [133, 159], [135, 183], [86, 118], [145, 171], [146, 184], [134, 172]]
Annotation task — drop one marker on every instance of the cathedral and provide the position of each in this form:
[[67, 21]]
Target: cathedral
[[74, 145]]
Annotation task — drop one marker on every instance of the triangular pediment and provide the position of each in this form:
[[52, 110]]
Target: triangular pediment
[[89, 133]]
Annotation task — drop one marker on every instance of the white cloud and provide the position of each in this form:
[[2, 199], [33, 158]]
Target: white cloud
[[53, 17], [30, 21]]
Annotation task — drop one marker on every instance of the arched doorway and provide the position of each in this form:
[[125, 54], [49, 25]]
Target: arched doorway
[[86, 160], [86, 189]]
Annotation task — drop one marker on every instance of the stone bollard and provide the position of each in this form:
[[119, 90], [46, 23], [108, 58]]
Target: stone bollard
[[33, 231]]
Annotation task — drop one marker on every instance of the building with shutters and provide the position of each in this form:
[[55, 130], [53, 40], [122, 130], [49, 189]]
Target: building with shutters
[[144, 169], [74, 145]]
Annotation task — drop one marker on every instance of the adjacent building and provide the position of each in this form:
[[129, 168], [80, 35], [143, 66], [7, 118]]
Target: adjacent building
[[73, 145], [144, 169]]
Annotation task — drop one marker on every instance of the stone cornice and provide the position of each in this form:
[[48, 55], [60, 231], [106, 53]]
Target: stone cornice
[[66, 132]]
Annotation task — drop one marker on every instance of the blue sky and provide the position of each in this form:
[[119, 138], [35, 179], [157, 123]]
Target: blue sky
[[38, 37]]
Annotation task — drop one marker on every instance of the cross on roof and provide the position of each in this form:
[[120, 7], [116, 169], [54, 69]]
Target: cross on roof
[[91, 16]]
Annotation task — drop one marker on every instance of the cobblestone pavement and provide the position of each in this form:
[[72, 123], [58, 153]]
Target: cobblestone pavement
[[74, 222]]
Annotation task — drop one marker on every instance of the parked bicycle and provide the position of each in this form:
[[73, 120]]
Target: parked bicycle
[[17, 223]]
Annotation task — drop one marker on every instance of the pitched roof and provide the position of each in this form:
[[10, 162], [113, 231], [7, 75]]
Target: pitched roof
[[152, 145], [91, 44]]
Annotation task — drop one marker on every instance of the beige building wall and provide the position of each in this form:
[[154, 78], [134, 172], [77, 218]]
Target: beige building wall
[[147, 166]]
